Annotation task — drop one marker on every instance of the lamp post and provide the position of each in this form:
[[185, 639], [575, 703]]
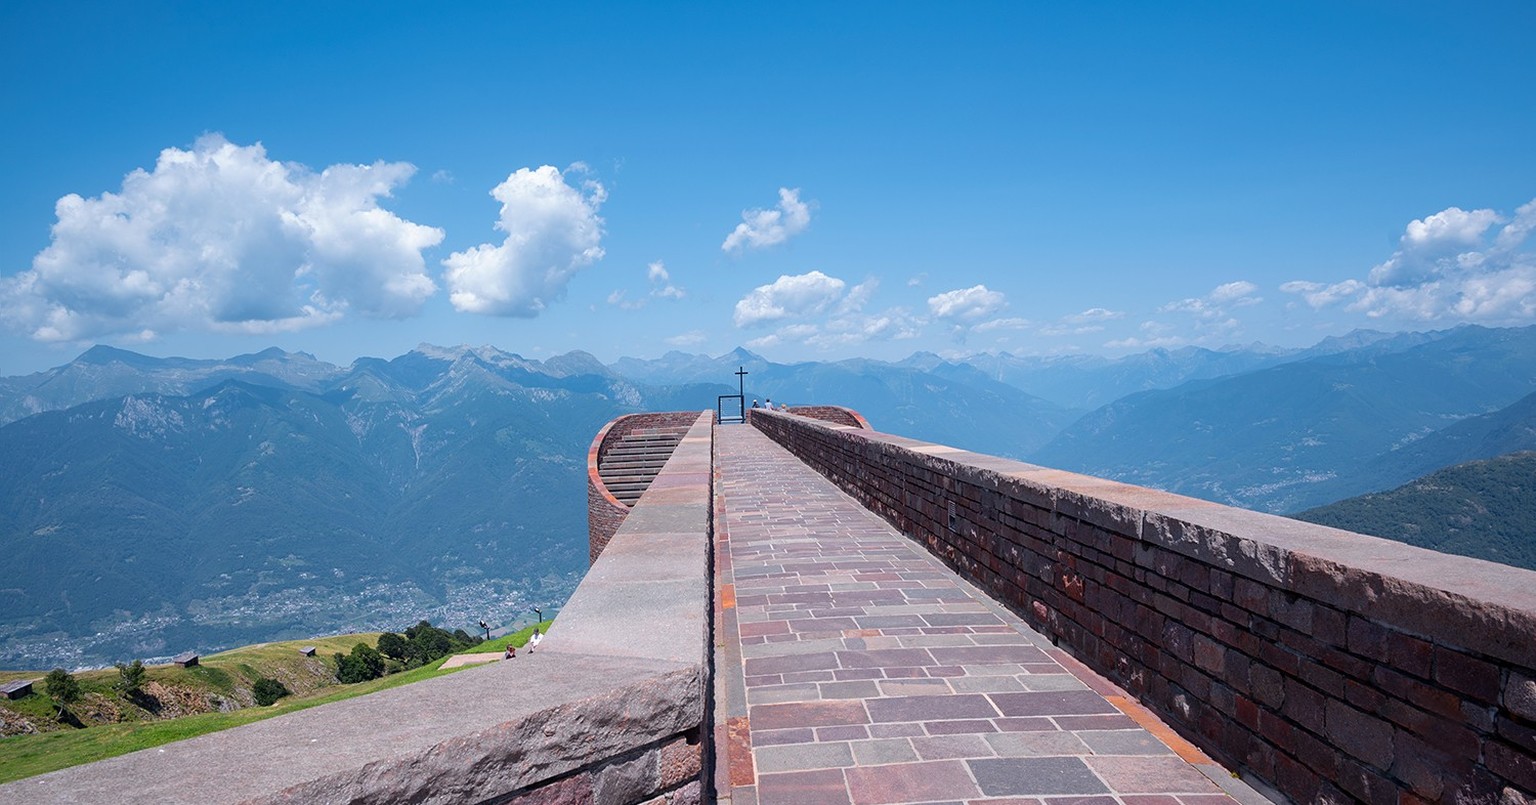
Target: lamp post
[[487, 628], [538, 615]]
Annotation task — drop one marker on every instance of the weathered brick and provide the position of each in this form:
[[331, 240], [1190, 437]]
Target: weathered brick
[[1366, 784], [1366, 737], [1251, 595], [1408, 689], [1209, 655], [1329, 626], [1517, 733], [1409, 654], [1472, 676], [1520, 695], [1367, 638], [679, 761], [1302, 704], [1296, 781], [1268, 686], [1424, 768], [1291, 610], [1365, 697], [1510, 763], [1246, 711], [1445, 735]]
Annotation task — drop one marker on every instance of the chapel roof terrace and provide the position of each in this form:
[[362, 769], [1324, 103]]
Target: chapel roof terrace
[[897, 621]]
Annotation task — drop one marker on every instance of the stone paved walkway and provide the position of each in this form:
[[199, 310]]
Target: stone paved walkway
[[853, 667]]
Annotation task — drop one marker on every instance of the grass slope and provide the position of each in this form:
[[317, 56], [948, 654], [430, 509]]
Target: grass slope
[[230, 671]]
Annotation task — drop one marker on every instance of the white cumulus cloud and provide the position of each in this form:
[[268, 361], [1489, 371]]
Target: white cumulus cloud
[[763, 228], [789, 296], [1214, 305], [1458, 265], [966, 305], [220, 238], [553, 231]]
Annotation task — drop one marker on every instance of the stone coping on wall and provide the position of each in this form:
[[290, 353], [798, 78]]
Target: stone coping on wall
[[622, 673]]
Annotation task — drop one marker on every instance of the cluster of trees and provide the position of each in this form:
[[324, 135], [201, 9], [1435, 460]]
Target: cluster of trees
[[419, 645]]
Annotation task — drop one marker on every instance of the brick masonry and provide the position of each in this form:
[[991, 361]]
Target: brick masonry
[[604, 511], [836, 414], [1331, 666]]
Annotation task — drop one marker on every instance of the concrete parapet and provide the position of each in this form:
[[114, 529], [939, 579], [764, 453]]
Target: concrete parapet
[[1328, 665], [608, 709]]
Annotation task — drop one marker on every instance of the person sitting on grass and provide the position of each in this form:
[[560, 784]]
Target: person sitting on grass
[[510, 652]]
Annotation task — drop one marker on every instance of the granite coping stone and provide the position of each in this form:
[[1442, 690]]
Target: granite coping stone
[[471, 735]]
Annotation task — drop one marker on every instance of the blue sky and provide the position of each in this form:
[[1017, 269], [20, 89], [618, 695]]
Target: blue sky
[[813, 181]]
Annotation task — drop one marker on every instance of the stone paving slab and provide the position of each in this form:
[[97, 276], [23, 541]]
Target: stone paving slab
[[855, 668]]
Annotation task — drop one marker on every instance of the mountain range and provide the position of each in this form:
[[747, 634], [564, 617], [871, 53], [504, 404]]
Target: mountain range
[[151, 505]]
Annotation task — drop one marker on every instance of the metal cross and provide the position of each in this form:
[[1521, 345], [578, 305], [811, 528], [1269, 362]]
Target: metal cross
[[741, 380]]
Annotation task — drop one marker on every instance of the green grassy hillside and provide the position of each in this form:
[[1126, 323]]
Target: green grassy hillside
[[220, 686]]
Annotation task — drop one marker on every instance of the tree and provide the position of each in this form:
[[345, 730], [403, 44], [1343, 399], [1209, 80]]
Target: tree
[[363, 664], [130, 678], [62, 686], [267, 691], [394, 646]]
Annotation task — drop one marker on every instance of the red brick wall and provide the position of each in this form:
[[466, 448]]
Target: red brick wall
[[1329, 665], [604, 511], [836, 414]]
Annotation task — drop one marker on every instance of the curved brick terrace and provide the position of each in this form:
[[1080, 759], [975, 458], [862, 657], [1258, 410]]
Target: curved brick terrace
[[854, 667]]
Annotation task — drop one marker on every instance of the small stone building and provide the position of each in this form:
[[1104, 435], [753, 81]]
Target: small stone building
[[17, 688], [308, 651], [186, 659]]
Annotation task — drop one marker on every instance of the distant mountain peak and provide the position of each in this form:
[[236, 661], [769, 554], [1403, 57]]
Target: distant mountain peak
[[103, 354], [743, 354]]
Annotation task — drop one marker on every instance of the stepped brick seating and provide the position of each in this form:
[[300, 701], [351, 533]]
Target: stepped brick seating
[[628, 467]]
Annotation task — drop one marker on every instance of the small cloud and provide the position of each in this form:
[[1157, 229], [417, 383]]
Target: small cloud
[[1318, 295], [1213, 306], [661, 285], [1094, 314], [858, 296], [692, 338], [966, 305], [760, 229], [913, 282], [1154, 335], [442, 176], [553, 231], [617, 299], [1012, 323], [788, 296]]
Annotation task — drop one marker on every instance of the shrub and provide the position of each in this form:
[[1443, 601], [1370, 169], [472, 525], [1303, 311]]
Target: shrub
[[267, 691]]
